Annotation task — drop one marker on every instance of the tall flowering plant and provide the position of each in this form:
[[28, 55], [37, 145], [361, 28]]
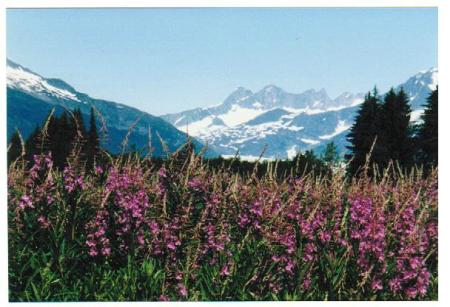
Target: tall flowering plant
[[171, 231]]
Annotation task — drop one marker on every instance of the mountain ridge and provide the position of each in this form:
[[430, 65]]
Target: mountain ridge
[[245, 121], [30, 97], [285, 121]]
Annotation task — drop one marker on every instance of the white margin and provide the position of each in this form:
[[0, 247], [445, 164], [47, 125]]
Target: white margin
[[444, 126]]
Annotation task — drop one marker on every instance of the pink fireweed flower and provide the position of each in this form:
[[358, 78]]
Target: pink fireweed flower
[[306, 283], [257, 208], [43, 221], [412, 275], [308, 252], [182, 290], [140, 239], [395, 284], [164, 298], [324, 236], [376, 285], [72, 181], [93, 252], [179, 276], [243, 220], [432, 229], [25, 201], [219, 246], [154, 228], [162, 172], [225, 271], [287, 239], [423, 281], [275, 287], [195, 184], [257, 224], [306, 229], [289, 267], [50, 199], [368, 230], [98, 170], [411, 292], [106, 251], [96, 239], [415, 262], [276, 206], [276, 258], [126, 187]]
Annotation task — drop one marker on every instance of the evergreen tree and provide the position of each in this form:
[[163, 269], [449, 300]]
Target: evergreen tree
[[308, 162], [62, 140], [77, 123], [78, 134], [60, 135], [428, 132], [92, 142], [15, 148], [32, 144], [395, 138], [330, 155], [58, 138], [363, 134], [182, 156]]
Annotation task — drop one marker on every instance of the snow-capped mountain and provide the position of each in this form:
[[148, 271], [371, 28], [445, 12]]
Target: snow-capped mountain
[[246, 121], [31, 97], [418, 88], [285, 122], [243, 105]]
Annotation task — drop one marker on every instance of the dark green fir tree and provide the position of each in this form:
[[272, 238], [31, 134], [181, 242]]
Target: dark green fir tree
[[428, 132], [396, 132], [92, 141], [15, 147], [330, 155], [33, 144], [363, 134]]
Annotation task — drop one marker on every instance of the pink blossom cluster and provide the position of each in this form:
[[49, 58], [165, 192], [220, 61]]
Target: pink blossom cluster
[[97, 240], [73, 180], [295, 232], [129, 201], [412, 276], [368, 231]]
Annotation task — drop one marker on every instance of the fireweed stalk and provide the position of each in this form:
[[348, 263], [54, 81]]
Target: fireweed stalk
[[143, 231]]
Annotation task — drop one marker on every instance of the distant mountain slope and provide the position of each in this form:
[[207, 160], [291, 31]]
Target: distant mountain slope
[[285, 122], [30, 97]]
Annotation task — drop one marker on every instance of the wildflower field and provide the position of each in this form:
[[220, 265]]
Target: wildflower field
[[134, 230]]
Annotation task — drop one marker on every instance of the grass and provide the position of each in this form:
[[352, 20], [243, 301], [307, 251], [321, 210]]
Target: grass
[[135, 231]]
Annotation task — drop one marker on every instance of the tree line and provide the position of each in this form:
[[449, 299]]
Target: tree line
[[61, 135], [383, 133]]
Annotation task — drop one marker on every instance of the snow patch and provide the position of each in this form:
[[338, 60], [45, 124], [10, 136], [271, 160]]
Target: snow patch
[[178, 120], [248, 158], [239, 115], [196, 128], [242, 99], [291, 152], [309, 141], [341, 127], [257, 105], [32, 83], [434, 80], [295, 128], [415, 115]]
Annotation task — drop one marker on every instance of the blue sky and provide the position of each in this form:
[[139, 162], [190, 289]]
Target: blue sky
[[169, 60]]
